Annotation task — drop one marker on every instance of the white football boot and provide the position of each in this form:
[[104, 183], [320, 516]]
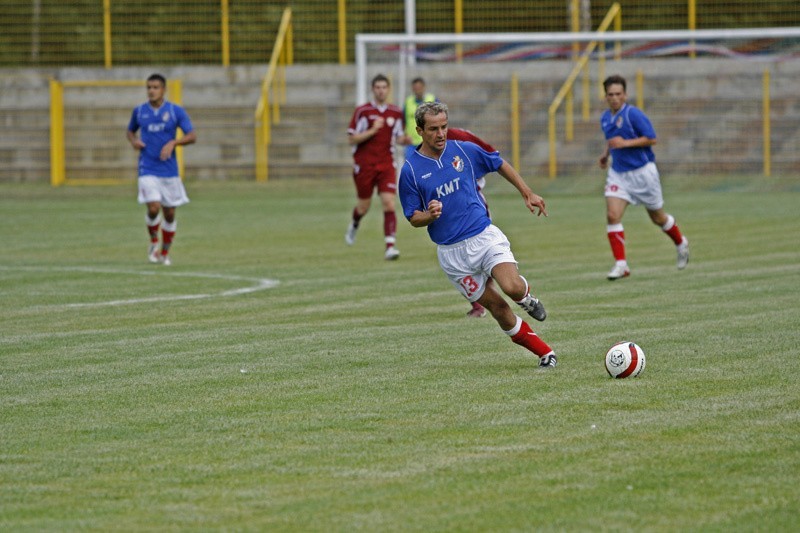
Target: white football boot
[[618, 272]]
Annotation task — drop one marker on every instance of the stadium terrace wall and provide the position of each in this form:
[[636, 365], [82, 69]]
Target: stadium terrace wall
[[707, 113]]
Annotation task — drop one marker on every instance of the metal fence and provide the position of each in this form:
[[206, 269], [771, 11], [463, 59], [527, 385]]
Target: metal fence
[[139, 32]]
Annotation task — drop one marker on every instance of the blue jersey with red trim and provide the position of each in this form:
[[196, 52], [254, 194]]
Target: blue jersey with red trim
[[451, 179], [159, 126], [629, 123]]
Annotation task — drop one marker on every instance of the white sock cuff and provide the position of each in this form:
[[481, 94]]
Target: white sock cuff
[[170, 226], [669, 223], [390, 239], [513, 331], [612, 228], [152, 221]]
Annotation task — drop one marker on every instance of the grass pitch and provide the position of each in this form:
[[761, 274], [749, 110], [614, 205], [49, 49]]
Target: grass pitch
[[355, 395]]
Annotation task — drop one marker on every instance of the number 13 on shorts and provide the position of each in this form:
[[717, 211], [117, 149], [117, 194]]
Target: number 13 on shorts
[[469, 285]]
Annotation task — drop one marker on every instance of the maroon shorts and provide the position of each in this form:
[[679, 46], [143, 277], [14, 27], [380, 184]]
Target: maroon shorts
[[368, 179]]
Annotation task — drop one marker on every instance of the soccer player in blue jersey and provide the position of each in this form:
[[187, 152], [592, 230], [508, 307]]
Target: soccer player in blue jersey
[[632, 177], [160, 186], [438, 190]]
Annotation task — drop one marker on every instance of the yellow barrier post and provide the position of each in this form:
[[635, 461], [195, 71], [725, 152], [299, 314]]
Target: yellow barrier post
[[551, 138], [175, 93], [692, 25], [342, 10], [575, 27], [107, 32], [767, 126], [459, 27], [226, 38], [515, 121], [568, 113], [57, 170], [289, 43]]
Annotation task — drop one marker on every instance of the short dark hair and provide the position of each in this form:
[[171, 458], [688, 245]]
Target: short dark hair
[[616, 79], [418, 80], [158, 77], [380, 77]]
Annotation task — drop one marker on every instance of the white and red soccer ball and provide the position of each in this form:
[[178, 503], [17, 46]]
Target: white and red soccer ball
[[625, 360]]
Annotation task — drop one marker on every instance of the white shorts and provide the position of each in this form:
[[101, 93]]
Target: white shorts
[[640, 186], [468, 264], [169, 192]]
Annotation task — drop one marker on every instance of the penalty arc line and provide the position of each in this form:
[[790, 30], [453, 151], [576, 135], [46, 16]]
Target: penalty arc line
[[257, 284]]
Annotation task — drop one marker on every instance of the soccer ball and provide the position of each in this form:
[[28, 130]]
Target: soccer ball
[[625, 360]]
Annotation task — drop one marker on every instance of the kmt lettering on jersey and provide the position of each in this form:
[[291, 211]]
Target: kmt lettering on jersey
[[447, 188]]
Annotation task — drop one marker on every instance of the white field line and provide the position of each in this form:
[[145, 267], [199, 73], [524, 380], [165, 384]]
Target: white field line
[[253, 284]]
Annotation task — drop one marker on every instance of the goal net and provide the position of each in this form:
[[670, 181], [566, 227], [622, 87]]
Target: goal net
[[723, 102]]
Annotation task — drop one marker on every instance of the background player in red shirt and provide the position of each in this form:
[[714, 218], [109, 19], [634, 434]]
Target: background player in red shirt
[[372, 133]]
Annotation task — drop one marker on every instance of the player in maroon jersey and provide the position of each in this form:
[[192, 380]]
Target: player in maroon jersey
[[458, 134], [372, 133]]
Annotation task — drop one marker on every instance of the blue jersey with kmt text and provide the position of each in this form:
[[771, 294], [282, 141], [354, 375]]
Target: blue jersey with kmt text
[[159, 126], [629, 123], [451, 179]]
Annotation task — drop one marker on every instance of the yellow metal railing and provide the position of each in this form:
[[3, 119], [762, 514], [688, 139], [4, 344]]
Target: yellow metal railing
[[58, 170], [274, 83], [614, 15]]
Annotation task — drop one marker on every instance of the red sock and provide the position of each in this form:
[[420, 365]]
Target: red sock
[[153, 231], [356, 217], [166, 241], [617, 241], [671, 229], [389, 227], [530, 340]]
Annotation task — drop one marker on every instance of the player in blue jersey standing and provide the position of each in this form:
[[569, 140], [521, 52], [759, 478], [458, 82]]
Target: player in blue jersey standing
[[438, 190], [632, 177], [160, 186]]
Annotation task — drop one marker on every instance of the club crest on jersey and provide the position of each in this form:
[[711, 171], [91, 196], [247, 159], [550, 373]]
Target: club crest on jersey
[[390, 121], [458, 164], [618, 122], [165, 116]]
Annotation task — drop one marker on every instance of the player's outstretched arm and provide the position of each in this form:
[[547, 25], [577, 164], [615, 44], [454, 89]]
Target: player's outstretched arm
[[534, 202]]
